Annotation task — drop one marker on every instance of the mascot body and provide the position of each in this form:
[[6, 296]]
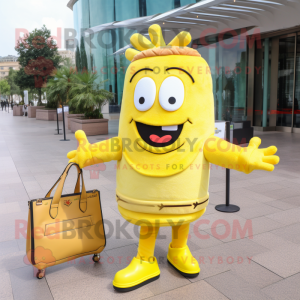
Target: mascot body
[[164, 147]]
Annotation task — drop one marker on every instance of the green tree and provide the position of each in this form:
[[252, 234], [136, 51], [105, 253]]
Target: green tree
[[38, 58], [83, 56], [21, 81], [4, 88], [87, 95], [11, 79], [78, 59]]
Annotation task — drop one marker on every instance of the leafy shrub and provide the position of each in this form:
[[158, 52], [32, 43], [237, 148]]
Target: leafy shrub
[[95, 114]]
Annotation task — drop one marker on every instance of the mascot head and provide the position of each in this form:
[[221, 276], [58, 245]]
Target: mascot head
[[167, 107]]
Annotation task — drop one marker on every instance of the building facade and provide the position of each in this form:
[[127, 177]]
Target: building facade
[[252, 48], [7, 63], [67, 54]]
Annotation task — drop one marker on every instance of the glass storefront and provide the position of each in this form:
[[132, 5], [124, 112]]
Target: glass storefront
[[268, 93], [227, 60]]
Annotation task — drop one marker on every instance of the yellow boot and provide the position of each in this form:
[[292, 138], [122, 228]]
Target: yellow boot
[[179, 254], [138, 273], [183, 261], [143, 268]]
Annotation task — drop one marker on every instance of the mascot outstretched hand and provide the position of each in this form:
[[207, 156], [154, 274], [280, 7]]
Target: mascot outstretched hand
[[165, 144]]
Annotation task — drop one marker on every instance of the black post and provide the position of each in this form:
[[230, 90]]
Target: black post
[[227, 186], [228, 208], [64, 127], [57, 124]]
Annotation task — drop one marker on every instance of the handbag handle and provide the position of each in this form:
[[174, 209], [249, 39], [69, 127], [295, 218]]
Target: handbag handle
[[77, 186], [57, 196]]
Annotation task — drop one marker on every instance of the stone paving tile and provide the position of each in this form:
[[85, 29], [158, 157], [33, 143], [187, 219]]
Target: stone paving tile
[[26, 286], [13, 260], [5, 286], [286, 217], [99, 287], [292, 200], [266, 187], [280, 204], [290, 233], [240, 197], [219, 259], [282, 193], [203, 239], [8, 208], [78, 269], [264, 224], [200, 290], [286, 289], [234, 287], [257, 211], [271, 240], [8, 247], [283, 261], [255, 274]]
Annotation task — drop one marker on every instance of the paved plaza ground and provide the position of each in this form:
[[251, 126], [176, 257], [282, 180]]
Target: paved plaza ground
[[265, 264]]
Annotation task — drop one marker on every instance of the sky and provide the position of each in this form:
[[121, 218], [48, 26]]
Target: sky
[[31, 14]]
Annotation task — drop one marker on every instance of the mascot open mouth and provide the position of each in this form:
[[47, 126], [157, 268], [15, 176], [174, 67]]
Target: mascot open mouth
[[159, 136]]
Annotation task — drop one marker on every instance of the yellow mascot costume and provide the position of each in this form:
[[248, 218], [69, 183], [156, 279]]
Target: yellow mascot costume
[[165, 144]]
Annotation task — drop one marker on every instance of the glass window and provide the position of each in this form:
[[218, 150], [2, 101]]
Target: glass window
[[126, 9], [259, 83], [156, 7], [227, 61], [186, 2], [285, 81], [297, 88]]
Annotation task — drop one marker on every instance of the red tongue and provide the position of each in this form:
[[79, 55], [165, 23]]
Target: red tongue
[[164, 139]]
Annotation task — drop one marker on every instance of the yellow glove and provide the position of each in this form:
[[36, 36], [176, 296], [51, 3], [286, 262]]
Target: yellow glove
[[227, 155], [83, 153], [90, 154], [251, 158]]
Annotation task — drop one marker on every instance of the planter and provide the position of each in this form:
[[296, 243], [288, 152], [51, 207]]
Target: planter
[[18, 110], [73, 116], [45, 114], [32, 110], [90, 126]]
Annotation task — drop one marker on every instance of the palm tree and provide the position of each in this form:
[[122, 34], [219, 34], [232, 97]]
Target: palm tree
[[58, 88], [87, 95]]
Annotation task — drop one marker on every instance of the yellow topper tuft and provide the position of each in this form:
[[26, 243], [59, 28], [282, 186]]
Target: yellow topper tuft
[[141, 43]]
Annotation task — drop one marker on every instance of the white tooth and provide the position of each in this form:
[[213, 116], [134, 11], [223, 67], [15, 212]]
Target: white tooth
[[169, 128]]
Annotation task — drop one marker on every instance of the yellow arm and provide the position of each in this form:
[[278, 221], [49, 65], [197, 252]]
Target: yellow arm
[[247, 159], [90, 154]]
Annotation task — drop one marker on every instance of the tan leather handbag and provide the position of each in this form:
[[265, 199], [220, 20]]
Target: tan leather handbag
[[64, 227]]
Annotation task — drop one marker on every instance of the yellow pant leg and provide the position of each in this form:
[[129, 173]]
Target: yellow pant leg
[[180, 235], [147, 240]]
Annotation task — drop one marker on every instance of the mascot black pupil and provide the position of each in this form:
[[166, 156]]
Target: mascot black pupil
[[142, 100], [172, 100]]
